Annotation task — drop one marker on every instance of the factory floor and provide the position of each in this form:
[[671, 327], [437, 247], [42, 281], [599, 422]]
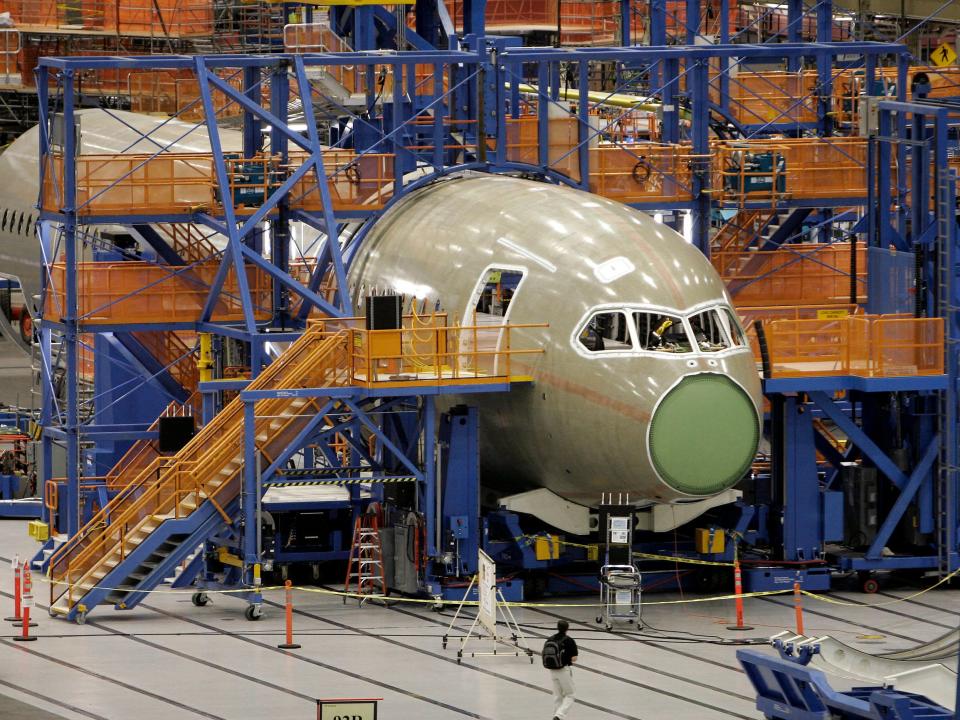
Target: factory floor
[[169, 659]]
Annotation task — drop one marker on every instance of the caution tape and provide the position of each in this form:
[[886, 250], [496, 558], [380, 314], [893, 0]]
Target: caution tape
[[680, 558], [401, 599], [832, 601]]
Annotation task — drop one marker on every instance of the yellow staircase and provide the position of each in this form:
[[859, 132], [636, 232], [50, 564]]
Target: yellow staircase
[[127, 547]]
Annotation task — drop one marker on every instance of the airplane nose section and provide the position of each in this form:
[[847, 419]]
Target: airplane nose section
[[703, 434]]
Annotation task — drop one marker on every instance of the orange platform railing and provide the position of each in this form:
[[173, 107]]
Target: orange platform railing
[[796, 274], [858, 345], [143, 292], [137, 18]]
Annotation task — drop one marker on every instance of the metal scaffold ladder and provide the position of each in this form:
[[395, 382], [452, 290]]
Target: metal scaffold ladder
[[949, 468], [365, 575]]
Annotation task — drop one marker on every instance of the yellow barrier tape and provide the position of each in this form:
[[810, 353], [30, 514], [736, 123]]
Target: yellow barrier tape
[[677, 558], [832, 601], [430, 601]]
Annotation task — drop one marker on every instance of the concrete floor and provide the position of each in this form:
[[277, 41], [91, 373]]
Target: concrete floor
[[167, 658]]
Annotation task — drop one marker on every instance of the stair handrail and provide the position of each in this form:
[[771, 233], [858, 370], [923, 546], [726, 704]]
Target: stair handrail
[[303, 354]]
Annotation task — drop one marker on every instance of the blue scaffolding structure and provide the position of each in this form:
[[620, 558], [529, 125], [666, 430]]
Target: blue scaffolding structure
[[446, 112]]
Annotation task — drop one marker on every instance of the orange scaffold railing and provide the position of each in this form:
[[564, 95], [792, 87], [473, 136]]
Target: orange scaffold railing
[[135, 18], [856, 345], [144, 292], [796, 274]]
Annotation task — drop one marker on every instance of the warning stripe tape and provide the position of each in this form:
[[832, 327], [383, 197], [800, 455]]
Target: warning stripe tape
[[345, 481]]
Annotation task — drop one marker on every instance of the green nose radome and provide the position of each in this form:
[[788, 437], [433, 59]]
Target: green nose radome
[[703, 435]]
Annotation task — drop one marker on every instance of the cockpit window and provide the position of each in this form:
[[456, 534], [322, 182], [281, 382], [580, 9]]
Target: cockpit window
[[661, 333], [708, 331], [605, 332], [735, 331]]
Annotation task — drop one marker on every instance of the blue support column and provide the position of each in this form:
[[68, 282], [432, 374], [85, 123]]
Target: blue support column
[[692, 21], [250, 495], [626, 15], [71, 514], [583, 125], [801, 491], [700, 131], [430, 475], [795, 15]]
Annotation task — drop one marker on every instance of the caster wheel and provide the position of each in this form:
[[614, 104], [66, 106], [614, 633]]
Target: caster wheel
[[253, 612], [870, 586], [444, 642], [437, 608], [599, 619], [81, 618], [630, 621], [200, 599]]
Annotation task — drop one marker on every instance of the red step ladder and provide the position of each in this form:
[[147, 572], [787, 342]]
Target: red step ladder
[[365, 574]]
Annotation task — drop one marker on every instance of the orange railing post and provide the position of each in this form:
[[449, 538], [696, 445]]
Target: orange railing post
[[798, 606], [26, 602], [289, 644], [738, 591]]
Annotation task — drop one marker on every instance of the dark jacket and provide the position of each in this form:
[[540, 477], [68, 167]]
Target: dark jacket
[[568, 648]]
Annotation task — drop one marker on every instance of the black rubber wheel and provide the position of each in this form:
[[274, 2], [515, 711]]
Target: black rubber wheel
[[253, 612], [870, 586], [200, 599]]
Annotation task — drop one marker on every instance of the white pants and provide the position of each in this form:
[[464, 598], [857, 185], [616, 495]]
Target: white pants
[[562, 680]]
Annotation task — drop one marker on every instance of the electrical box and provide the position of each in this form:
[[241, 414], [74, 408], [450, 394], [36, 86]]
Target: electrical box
[[709, 540], [869, 115], [460, 526], [547, 548], [38, 530]]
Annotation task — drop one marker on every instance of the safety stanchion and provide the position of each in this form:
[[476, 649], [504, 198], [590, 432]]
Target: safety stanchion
[[798, 606], [289, 644], [16, 591], [738, 591], [27, 603], [26, 588]]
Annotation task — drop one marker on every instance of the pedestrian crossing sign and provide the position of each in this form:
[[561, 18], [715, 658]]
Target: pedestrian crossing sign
[[944, 55]]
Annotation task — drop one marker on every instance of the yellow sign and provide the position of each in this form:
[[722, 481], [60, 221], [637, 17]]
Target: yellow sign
[[346, 710], [943, 55], [832, 314]]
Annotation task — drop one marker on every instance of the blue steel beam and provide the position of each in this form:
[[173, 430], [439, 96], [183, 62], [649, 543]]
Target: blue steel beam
[[920, 474], [859, 438]]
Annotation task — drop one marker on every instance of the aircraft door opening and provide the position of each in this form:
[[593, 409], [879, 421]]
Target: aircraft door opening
[[488, 310]]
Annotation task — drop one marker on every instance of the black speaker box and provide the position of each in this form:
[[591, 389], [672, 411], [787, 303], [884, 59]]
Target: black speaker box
[[384, 312], [175, 432]]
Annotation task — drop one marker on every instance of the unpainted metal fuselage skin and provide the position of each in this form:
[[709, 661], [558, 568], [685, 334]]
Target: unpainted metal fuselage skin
[[117, 132], [582, 427]]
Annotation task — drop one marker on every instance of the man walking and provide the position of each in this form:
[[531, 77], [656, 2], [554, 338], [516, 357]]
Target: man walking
[[559, 654]]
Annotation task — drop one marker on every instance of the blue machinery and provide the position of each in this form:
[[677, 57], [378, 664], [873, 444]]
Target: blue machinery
[[445, 111]]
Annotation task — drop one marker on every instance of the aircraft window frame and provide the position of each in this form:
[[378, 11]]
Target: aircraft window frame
[[735, 331], [710, 345], [678, 323], [628, 325]]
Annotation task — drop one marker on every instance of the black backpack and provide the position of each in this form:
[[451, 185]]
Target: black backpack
[[551, 653]]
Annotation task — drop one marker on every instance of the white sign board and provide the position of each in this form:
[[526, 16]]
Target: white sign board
[[487, 587], [346, 710]]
